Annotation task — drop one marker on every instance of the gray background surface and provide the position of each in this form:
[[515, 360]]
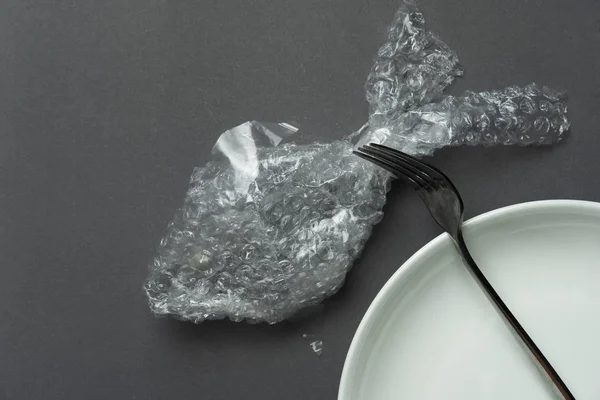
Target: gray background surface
[[105, 108]]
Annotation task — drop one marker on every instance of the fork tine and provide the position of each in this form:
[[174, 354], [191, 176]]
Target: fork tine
[[392, 158], [409, 159], [393, 168]]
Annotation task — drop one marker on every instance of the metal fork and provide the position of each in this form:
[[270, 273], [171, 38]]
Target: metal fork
[[446, 206]]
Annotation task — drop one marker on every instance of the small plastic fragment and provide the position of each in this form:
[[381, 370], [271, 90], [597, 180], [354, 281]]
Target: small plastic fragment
[[317, 347]]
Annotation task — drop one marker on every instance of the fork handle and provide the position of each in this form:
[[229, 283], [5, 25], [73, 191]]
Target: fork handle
[[508, 315]]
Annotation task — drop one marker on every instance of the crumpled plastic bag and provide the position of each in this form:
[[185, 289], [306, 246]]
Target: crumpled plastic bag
[[265, 230], [523, 116], [269, 227], [412, 68], [408, 112]]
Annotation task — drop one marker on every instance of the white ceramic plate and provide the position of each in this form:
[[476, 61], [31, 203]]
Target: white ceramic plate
[[431, 333]]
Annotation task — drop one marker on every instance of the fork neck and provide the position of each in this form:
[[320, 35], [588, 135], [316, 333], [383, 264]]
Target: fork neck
[[456, 231]]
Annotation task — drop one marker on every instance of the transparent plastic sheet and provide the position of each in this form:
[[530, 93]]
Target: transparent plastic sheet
[[412, 68], [265, 230], [268, 228], [524, 116]]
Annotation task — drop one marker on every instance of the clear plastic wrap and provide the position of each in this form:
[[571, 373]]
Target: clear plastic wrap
[[412, 68], [268, 228], [530, 115], [265, 230]]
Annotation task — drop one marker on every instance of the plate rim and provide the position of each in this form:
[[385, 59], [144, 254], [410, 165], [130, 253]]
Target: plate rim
[[408, 265]]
